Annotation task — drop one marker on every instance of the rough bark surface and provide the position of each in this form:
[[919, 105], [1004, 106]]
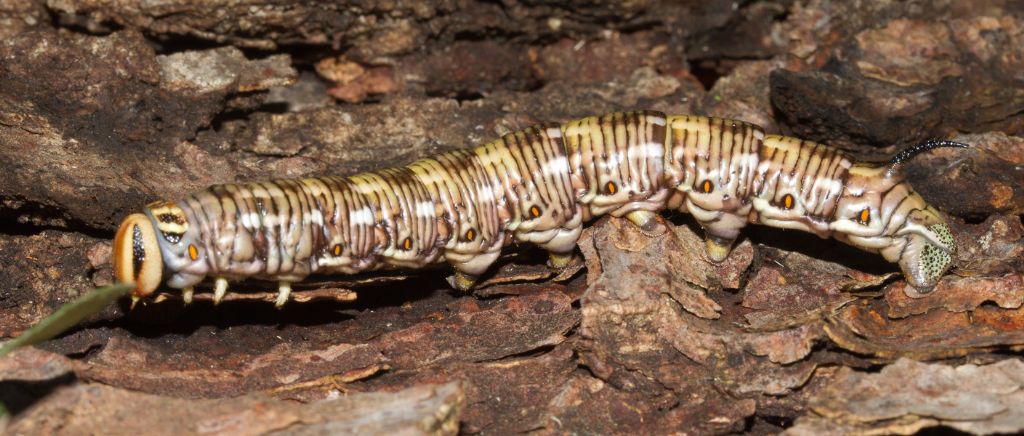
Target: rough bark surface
[[106, 105]]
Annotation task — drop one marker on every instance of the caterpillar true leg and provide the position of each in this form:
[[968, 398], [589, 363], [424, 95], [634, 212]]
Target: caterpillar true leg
[[284, 289], [220, 289]]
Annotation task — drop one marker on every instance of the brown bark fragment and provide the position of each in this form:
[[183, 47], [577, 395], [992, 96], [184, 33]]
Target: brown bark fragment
[[508, 395], [907, 396], [32, 364], [958, 295], [591, 405], [992, 248], [40, 273], [986, 179], [908, 53], [528, 322], [798, 289], [865, 328], [91, 408], [884, 97], [223, 372]]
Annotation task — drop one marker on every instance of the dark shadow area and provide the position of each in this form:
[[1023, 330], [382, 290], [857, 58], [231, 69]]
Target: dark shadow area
[[172, 317], [829, 250], [784, 240], [708, 71], [18, 395], [81, 23], [25, 218], [181, 43], [940, 430]]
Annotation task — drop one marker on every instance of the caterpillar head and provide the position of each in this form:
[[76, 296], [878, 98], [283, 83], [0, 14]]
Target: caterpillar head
[[158, 247], [878, 211], [137, 257]]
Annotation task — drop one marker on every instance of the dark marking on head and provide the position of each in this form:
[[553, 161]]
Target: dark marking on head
[[171, 218], [138, 251], [172, 237]]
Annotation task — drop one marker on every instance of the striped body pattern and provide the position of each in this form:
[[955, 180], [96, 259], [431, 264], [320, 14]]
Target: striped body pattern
[[538, 185]]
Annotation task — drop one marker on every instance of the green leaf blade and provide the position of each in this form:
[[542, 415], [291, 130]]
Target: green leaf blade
[[68, 316]]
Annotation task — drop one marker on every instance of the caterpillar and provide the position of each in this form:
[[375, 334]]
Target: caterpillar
[[538, 185]]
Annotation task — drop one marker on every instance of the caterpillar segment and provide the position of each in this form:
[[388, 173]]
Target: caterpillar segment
[[713, 166], [538, 185]]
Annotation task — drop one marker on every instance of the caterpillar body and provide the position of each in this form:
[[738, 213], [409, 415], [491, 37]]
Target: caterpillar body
[[537, 185]]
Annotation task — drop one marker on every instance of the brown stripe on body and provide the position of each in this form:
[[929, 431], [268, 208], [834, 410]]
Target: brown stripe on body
[[209, 222], [249, 251], [217, 214], [423, 220], [470, 230], [585, 147], [384, 210], [273, 225], [444, 185], [354, 230], [504, 178], [485, 194], [322, 215], [554, 167], [799, 184], [616, 162], [526, 190], [712, 164], [826, 187], [288, 214], [543, 201], [421, 246], [298, 247]]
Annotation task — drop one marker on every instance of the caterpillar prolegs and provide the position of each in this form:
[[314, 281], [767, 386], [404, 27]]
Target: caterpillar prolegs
[[537, 185]]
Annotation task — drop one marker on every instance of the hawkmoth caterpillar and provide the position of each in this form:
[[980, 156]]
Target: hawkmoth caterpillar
[[537, 185]]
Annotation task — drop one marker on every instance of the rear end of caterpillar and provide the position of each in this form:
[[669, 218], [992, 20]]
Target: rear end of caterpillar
[[537, 185]]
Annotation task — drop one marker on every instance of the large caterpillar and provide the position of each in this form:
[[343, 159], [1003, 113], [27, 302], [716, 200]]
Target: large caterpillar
[[537, 185]]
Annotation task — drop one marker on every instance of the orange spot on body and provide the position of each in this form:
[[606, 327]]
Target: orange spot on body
[[407, 244], [193, 252], [470, 235], [707, 187], [787, 201], [535, 211], [865, 216], [337, 250], [611, 188]]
